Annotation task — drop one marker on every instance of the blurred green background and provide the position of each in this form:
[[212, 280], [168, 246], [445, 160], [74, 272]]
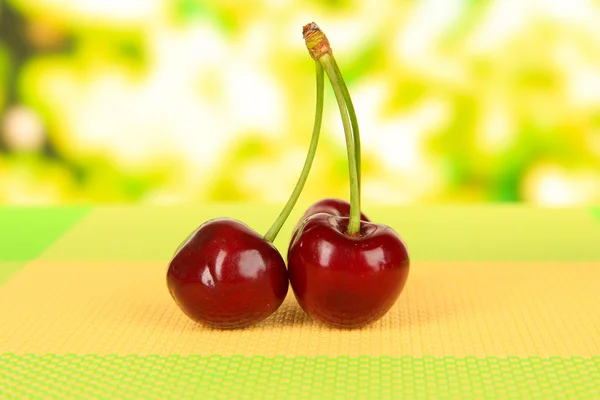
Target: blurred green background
[[163, 102]]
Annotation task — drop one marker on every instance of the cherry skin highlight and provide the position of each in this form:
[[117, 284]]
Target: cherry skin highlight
[[227, 276], [343, 280]]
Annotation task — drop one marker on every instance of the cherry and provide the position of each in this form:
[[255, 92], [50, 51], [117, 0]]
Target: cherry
[[330, 205], [346, 280], [228, 276], [333, 206], [344, 270]]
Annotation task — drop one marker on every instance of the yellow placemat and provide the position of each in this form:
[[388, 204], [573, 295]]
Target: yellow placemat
[[447, 309]]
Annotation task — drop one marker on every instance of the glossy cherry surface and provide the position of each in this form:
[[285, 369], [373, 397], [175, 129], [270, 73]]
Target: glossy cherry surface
[[346, 281], [227, 276]]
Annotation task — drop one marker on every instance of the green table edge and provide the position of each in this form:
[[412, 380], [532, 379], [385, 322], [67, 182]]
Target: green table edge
[[9, 268], [481, 232], [26, 231], [219, 377], [595, 212]]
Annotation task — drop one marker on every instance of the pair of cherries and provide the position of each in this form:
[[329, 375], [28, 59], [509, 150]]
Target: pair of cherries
[[344, 270]]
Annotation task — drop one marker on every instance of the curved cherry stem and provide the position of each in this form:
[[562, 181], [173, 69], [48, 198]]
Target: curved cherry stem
[[352, 136], [352, 114], [319, 49], [276, 227]]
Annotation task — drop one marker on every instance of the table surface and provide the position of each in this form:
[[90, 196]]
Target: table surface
[[502, 301]]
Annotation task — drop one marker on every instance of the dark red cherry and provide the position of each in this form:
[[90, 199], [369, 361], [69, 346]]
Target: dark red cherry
[[346, 280], [227, 276], [333, 206]]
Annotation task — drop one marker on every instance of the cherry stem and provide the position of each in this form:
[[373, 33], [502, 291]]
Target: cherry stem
[[287, 209], [352, 137], [352, 114], [319, 49]]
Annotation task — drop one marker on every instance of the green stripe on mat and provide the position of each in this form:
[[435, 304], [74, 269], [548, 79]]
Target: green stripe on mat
[[216, 377], [27, 231], [433, 233]]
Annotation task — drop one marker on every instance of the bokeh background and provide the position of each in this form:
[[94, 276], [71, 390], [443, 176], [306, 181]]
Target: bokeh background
[[173, 101]]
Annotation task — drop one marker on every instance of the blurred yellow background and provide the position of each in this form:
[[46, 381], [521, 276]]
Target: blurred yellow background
[[163, 102]]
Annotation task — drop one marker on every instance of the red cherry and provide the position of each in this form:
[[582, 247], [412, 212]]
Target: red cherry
[[333, 206], [227, 276], [342, 280]]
